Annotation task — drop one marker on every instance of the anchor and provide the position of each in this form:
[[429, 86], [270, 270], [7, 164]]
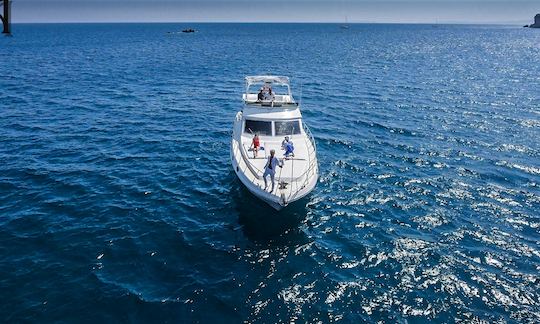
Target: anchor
[[283, 200]]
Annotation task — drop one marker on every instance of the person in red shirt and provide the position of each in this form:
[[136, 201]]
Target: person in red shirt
[[255, 144]]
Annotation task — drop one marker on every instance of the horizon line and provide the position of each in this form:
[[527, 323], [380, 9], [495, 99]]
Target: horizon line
[[508, 23]]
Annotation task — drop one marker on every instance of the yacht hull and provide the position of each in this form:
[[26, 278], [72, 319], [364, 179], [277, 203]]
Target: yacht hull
[[273, 120]]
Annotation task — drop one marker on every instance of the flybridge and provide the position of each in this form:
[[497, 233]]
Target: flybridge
[[268, 91]]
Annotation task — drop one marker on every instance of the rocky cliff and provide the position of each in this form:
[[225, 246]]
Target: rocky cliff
[[536, 22]]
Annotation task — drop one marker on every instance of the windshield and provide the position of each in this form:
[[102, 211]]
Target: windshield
[[289, 127], [258, 127], [277, 89]]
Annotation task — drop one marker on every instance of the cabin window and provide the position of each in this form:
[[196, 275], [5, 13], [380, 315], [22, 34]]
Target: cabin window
[[289, 127], [258, 127]]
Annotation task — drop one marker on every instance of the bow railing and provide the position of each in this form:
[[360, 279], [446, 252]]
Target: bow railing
[[294, 184], [243, 162], [299, 182]]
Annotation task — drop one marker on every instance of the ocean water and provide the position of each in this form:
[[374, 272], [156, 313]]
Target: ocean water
[[118, 202]]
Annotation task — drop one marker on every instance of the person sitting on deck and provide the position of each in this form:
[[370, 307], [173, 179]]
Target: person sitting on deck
[[284, 142], [288, 146], [255, 144], [270, 169]]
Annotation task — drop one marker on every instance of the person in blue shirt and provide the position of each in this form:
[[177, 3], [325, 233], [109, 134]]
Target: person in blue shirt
[[284, 142], [270, 169], [288, 146]]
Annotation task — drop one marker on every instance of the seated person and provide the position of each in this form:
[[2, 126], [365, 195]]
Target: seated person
[[269, 95], [284, 142], [260, 96], [289, 148]]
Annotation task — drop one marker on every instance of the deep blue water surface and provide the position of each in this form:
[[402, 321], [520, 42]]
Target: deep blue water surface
[[118, 202]]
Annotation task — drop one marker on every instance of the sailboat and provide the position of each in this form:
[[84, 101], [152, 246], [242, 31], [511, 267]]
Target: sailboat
[[346, 25]]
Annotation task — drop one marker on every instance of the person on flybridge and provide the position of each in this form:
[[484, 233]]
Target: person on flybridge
[[270, 169], [269, 95], [266, 93]]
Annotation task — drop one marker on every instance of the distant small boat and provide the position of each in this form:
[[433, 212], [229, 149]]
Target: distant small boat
[[346, 25], [190, 30]]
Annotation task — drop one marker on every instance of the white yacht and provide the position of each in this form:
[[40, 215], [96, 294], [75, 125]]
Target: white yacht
[[271, 112]]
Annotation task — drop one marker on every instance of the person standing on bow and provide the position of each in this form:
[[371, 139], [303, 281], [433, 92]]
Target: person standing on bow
[[270, 169]]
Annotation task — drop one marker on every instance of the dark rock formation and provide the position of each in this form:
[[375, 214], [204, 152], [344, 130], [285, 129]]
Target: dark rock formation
[[536, 22]]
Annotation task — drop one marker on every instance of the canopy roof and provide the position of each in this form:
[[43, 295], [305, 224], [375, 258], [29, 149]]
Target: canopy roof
[[279, 98], [267, 78]]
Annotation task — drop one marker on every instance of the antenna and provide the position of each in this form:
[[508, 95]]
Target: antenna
[[6, 17]]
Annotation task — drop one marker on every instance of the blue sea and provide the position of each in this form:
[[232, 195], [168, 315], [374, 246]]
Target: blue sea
[[118, 202]]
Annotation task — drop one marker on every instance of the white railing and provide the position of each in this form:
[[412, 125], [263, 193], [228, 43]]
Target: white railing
[[243, 163], [298, 183]]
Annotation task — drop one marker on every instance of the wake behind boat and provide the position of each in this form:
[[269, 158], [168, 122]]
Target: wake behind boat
[[271, 113]]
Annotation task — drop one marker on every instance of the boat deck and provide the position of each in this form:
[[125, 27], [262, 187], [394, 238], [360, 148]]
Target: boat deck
[[293, 167]]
